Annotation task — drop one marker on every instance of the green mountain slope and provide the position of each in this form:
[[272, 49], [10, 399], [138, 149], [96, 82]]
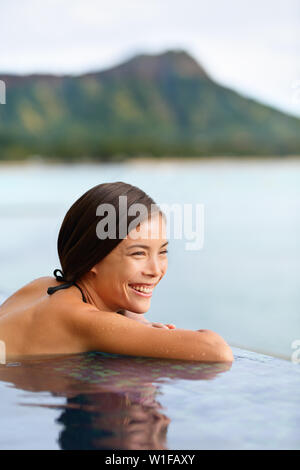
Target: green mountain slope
[[150, 105]]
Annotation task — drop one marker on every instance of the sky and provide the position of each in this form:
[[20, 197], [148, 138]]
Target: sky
[[251, 47]]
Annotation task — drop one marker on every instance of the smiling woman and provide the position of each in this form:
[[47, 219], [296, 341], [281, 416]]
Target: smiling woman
[[104, 288]]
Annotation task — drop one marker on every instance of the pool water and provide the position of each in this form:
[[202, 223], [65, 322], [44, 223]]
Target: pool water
[[107, 401]]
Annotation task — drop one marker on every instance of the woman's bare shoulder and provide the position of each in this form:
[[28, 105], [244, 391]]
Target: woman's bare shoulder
[[35, 286], [40, 281], [36, 283]]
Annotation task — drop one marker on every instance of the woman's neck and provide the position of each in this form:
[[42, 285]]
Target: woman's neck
[[92, 297]]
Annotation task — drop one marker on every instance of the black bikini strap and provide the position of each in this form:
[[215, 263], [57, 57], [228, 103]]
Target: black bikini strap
[[61, 277], [66, 284], [83, 297]]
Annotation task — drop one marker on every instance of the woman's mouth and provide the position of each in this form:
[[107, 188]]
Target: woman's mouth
[[144, 291]]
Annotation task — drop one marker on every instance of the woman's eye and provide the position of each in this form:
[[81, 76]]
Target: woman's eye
[[142, 253]]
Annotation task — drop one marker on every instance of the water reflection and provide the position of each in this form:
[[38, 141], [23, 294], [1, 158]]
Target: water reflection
[[112, 401], [112, 421]]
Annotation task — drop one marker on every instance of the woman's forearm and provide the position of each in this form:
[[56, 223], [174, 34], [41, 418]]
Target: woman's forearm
[[118, 334]]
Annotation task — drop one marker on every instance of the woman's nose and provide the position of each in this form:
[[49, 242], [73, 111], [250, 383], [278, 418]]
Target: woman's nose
[[153, 267]]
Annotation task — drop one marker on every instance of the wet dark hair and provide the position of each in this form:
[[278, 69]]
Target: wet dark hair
[[79, 247]]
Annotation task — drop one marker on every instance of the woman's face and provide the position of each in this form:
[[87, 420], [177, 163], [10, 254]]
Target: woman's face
[[127, 276]]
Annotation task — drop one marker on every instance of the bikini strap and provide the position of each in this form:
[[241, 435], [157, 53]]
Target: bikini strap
[[61, 277], [66, 285]]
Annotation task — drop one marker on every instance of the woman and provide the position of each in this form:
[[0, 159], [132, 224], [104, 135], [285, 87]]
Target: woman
[[105, 286]]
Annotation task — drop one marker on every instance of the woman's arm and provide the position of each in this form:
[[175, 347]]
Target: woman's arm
[[114, 333]]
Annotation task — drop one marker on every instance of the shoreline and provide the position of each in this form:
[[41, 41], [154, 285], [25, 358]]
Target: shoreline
[[153, 161]]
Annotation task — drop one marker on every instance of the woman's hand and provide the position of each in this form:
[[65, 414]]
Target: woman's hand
[[141, 319], [168, 326]]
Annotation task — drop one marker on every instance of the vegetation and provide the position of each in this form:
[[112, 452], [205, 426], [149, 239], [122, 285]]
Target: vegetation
[[163, 105]]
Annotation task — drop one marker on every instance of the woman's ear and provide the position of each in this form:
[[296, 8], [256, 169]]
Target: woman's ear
[[94, 270]]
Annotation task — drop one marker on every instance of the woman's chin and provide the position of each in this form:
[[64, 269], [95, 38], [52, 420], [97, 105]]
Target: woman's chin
[[138, 309]]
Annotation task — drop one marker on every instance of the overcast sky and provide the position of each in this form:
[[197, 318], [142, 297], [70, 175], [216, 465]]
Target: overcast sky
[[250, 46]]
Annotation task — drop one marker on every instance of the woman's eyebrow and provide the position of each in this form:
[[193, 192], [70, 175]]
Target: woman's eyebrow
[[145, 246]]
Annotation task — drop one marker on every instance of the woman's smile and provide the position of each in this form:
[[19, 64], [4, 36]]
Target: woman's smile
[[144, 290]]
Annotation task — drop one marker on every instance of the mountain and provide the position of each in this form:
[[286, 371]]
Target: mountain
[[155, 105]]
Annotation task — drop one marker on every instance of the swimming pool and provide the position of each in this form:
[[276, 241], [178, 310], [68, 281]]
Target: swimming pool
[[244, 283], [106, 401]]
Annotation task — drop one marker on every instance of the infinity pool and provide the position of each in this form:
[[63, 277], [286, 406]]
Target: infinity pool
[[106, 401]]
